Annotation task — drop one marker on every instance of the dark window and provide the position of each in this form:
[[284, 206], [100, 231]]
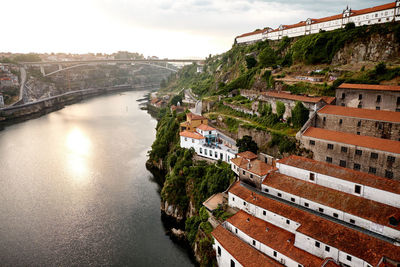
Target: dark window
[[312, 142], [352, 221], [391, 159], [378, 108], [306, 204], [292, 199], [358, 123], [236, 230], [312, 176], [266, 190], [344, 149], [251, 175], [374, 155], [299, 265], [329, 159], [244, 203], [340, 121], [320, 209], [348, 257], [254, 242], [388, 174], [357, 189], [358, 152], [343, 95], [324, 119], [358, 133], [378, 98], [342, 104], [244, 172], [279, 195], [397, 109], [330, 146], [398, 100], [360, 97], [327, 249], [372, 170], [219, 251], [233, 199], [335, 215], [275, 254], [317, 244], [232, 263], [264, 213], [380, 125], [357, 166], [287, 222], [359, 106], [342, 163]]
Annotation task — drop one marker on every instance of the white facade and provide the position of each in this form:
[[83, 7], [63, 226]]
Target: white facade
[[311, 26], [224, 258]]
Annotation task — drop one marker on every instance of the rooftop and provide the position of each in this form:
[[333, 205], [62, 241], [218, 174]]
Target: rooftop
[[205, 127], [276, 238], [369, 114], [373, 9], [302, 98], [193, 135], [336, 235], [358, 206], [247, 155], [193, 116], [251, 33], [214, 201], [342, 173], [370, 87], [353, 139], [242, 252], [255, 166]]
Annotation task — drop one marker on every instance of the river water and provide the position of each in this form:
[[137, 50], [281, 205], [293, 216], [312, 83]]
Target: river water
[[74, 189]]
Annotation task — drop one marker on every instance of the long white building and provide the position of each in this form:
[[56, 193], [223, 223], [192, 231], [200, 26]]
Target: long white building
[[368, 16]]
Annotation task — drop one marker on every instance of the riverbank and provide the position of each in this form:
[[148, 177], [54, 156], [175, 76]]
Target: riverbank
[[16, 114]]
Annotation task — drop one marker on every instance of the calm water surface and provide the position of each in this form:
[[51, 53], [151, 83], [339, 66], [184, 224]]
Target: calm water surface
[[74, 189]]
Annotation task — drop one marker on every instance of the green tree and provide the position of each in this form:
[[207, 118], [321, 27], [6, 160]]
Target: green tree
[[251, 62], [280, 109], [380, 68], [247, 144], [350, 26], [299, 114], [267, 57]]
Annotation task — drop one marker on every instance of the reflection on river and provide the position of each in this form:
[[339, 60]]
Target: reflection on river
[[74, 189]]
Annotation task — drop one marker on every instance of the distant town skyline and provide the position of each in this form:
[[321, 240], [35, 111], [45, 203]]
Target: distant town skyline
[[163, 28]]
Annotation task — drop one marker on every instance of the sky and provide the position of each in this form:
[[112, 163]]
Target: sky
[[164, 28]]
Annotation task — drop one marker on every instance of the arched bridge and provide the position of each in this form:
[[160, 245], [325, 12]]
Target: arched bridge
[[65, 65]]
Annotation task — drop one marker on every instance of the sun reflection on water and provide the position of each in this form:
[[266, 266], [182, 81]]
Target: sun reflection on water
[[78, 146]]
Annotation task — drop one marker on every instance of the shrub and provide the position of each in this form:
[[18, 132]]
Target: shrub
[[300, 114], [247, 144], [280, 109]]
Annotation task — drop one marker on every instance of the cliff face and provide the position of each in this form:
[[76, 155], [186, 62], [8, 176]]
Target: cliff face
[[376, 48]]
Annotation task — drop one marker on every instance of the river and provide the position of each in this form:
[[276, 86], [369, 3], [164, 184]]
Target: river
[[74, 189]]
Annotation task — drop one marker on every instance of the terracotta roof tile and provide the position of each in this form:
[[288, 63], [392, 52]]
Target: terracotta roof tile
[[247, 155], [336, 235], [369, 114], [290, 96], [205, 127], [257, 167], [242, 252], [328, 99], [342, 173], [358, 206], [193, 116], [191, 135], [370, 87], [252, 33], [276, 238], [353, 139], [325, 19], [373, 9]]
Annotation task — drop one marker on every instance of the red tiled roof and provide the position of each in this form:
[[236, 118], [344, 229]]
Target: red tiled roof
[[247, 155], [369, 114], [358, 206], [276, 238], [336, 235], [194, 116], [252, 33], [373, 9], [353, 139], [342, 173], [191, 135], [257, 167], [325, 19], [328, 99], [289, 96], [205, 127], [301, 23], [242, 252], [370, 87]]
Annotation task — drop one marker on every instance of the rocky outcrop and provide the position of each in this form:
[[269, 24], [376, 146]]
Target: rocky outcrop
[[259, 136], [376, 48], [172, 211]]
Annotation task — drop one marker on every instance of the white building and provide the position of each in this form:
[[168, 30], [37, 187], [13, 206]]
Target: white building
[[368, 16], [205, 142], [1, 100]]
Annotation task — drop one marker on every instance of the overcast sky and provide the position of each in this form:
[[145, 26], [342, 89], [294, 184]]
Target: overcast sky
[[164, 28]]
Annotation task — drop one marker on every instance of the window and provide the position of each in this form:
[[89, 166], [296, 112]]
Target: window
[[321, 210], [357, 189], [330, 146], [388, 174], [236, 231], [335, 215], [378, 108], [216, 154], [359, 105], [279, 195], [359, 124], [192, 140], [352, 221], [254, 242], [275, 254], [380, 126], [358, 152], [312, 176], [232, 263], [391, 159], [264, 213], [327, 249], [344, 149], [342, 163], [205, 151], [312, 142], [343, 95], [209, 132], [398, 100], [306, 204], [317, 244], [357, 166], [358, 133], [233, 199], [201, 150], [244, 172], [287, 222], [374, 155], [360, 97], [219, 251], [324, 119], [378, 98], [348, 257], [266, 190], [244, 203], [251, 175], [372, 170], [342, 104], [340, 121], [329, 159], [185, 139], [292, 199]]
